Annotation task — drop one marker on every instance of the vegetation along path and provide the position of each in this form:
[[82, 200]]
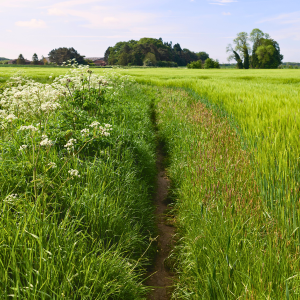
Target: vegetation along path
[[160, 276]]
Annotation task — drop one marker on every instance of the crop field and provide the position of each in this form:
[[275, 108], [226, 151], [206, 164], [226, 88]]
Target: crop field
[[231, 145]]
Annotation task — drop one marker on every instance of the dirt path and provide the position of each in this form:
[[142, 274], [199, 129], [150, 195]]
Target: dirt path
[[160, 276]]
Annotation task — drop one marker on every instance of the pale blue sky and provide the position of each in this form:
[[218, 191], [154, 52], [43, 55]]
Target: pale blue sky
[[90, 26]]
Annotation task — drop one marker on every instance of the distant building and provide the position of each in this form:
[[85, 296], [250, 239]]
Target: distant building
[[98, 61], [14, 62]]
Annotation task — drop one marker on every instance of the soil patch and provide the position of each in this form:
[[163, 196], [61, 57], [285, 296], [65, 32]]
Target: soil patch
[[161, 277]]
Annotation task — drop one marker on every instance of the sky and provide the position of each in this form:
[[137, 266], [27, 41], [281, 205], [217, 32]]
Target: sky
[[91, 26]]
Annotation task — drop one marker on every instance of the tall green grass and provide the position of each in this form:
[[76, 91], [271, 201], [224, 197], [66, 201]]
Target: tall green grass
[[84, 237], [265, 105], [230, 244]]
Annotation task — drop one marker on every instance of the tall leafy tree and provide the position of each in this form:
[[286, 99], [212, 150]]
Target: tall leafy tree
[[106, 54], [268, 54], [234, 55], [21, 60], [203, 55], [242, 47], [35, 59], [63, 54], [255, 36]]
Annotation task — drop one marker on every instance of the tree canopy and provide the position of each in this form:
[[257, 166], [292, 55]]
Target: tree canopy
[[63, 54], [265, 51], [21, 60], [150, 51], [35, 59]]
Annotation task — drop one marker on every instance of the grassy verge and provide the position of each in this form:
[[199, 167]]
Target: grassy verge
[[230, 245], [76, 208]]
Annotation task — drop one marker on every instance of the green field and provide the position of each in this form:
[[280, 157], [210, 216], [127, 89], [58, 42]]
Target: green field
[[232, 143]]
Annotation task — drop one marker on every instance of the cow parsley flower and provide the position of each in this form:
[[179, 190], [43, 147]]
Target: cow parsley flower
[[23, 147], [29, 127], [74, 173], [70, 144], [46, 142], [85, 132], [11, 117], [11, 198], [50, 106], [52, 165], [95, 124]]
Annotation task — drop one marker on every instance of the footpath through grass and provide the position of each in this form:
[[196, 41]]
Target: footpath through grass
[[229, 244], [77, 169]]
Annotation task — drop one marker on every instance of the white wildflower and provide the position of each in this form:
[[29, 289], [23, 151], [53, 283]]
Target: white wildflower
[[11, 198], [85, 132], [23, 147], [95, 124], [11, 117], [74, 173], [70, 144], [52, 165], [50, 106], [46, 142], [3, 113], [29, 127]]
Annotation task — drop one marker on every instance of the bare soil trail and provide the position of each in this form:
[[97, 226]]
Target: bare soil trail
[[161, 277]]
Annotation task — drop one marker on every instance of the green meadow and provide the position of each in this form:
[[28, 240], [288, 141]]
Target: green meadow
[[231, 140]]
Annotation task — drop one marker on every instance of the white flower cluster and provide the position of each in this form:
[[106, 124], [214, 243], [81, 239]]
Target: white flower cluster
[[52, 165], [95, 124], [70, 144], [50, 106], [78, 79], [85, 132], [74, 173], [11, 198], [11, 117], [29, 127], [46, 142], [70, 63], [104, 130], [23, 147], [27, 98]]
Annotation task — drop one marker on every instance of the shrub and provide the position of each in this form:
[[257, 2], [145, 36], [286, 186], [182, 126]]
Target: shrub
[[195, 65], [167, 64], [211, 64], [150, 59]]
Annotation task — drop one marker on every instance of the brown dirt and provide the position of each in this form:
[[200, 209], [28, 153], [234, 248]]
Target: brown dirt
[[161, 277]]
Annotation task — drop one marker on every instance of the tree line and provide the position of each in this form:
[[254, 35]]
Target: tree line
[[151, 52], [264, 53]]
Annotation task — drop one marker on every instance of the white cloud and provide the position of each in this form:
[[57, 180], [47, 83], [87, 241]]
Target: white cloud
[[285, 30], [108, 17], [33, 23], [222, 2], [289, 18], [18, 3], [226, 13]]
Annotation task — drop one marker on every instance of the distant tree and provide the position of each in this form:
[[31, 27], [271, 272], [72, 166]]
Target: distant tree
[[177, 47], [211, 64], [106, 54], [268, 54], [150, 59], [195, 65], [202, 55], [255, 36], [234, 55], [35, 59], [63, 54], [21, 60], [242, 47], [123, 59]]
